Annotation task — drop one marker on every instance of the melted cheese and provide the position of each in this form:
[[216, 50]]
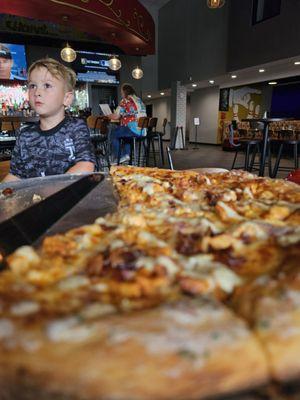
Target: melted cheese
[[24, 308]]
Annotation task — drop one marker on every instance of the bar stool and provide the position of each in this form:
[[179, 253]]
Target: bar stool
[[136, 143], [99, 139], [246, 144], [153, 135], [285, 139]]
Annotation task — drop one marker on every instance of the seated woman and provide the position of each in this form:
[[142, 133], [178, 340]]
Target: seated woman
[[130, 109]]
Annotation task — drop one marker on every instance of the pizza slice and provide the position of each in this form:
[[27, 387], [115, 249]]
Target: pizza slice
[[180, 350]]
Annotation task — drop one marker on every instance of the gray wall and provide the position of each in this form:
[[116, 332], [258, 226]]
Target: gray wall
[[149, 63], [270, 40], [192, 41], [204, 103]]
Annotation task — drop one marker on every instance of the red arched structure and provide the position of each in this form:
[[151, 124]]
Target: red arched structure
[[123, 23]]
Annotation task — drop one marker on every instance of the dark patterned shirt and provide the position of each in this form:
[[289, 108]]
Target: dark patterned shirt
[[51, 152]]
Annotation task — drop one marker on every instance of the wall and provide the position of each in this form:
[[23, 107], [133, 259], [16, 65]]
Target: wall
[[204, 103], [128, 63], [149, 63], [192, 41], [270, 40]]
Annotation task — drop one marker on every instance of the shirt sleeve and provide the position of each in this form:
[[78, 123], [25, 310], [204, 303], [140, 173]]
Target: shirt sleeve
[[16, 162], [83, 146]]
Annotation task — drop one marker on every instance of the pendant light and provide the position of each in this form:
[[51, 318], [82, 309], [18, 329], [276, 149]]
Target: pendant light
[[114, 63], [68, 54], [215, 3], [137, 73]]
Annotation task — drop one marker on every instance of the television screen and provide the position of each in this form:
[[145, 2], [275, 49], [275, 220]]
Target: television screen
[[286, 101], [93, 67], [12, 61]]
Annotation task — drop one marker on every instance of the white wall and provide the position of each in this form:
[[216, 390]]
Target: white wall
[[205, 105], [161, 110]]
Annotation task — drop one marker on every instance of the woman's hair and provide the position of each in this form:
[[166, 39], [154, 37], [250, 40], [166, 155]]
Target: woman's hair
[[56, 69], [128, 90]]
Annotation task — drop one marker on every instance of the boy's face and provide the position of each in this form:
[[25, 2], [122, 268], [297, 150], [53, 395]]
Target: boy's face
[[48, 95], [5, 67]]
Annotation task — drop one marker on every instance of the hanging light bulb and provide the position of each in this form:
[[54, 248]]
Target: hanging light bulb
[[215, 3], [137, 73], [114, 63], [68, 54]]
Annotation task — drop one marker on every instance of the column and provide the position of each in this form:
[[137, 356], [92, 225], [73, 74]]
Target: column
[[178, 111]]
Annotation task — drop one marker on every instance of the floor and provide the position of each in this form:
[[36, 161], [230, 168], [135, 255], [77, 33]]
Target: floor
[[202, 156]]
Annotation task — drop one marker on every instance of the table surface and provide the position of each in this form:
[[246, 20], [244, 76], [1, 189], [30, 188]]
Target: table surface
[[18, 118]]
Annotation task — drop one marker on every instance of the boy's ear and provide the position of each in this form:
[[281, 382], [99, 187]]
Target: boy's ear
[[68, 99]]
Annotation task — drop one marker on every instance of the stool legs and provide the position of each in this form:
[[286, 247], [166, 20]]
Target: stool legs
[[296, 162]]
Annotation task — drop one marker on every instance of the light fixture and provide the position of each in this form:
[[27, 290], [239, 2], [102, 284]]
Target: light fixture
[[215, 3], [297, 62], [137, 73], [272, 83], [261, 70], [211, 82], [194, 84], [114, 63], [233, 76], [162, 93], [68, 54], [149, 96]]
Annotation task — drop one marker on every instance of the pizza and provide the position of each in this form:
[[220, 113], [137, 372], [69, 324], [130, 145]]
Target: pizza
[[189, 291]]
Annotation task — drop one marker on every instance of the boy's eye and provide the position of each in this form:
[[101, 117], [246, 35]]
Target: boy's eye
[[47, 85], [31, 86]]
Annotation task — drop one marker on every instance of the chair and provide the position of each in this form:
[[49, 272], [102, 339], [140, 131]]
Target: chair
[[285, 139], [136, 143]]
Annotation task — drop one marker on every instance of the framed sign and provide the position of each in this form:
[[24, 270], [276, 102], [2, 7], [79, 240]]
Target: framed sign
[[224, 99], [197, 121]]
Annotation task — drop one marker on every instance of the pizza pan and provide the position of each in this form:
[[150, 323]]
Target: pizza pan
[[17, 196]]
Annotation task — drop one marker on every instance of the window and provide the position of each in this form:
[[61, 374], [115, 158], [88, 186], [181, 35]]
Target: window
[[265, 9]]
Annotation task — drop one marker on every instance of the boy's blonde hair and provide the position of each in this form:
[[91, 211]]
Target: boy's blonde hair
[[56, 69]]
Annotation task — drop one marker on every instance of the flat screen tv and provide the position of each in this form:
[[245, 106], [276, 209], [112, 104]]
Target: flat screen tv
[[12, 62], [286, 101], [93, 67]]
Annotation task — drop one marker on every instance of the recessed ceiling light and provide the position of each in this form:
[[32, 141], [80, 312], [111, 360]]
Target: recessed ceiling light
[[149, 96], [297, 62], [261, 70], [162, 93], [194, 84], [233, 76], [272, 83], [211, 82]]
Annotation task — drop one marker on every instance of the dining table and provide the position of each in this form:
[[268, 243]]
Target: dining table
[[266, 122]]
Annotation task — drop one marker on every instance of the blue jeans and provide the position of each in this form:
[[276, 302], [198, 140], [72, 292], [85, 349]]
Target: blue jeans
[[116, 134]]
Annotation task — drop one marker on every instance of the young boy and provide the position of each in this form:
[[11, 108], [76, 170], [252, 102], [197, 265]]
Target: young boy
[[56, 144]]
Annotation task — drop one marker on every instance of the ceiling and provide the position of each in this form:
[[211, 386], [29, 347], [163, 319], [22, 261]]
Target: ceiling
[[274, 71], [125, 24]]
